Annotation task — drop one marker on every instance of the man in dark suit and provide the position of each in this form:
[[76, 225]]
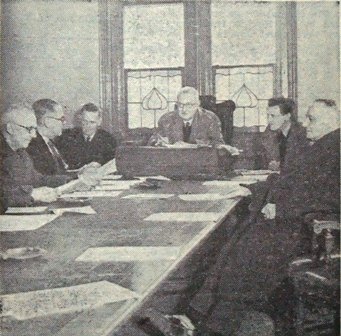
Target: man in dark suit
[[44, 153], [89, 143], [22, 184], [285, 140]]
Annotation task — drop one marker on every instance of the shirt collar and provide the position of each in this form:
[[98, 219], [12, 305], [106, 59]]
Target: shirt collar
[[88, 138], [286, 130], [188, 122]]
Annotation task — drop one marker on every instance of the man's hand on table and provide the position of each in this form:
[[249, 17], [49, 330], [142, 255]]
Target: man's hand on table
[[239, 192], [232, 150], [44, 194], [274, 165], [90, 174], [269, 211]]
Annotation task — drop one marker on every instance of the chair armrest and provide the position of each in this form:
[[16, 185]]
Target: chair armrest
[[318, 225]]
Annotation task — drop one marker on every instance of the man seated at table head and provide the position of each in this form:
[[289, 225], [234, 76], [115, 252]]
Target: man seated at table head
[[44, 153], [314, 183], [88, 143], [285, 139], [189, 123], [22, 184]]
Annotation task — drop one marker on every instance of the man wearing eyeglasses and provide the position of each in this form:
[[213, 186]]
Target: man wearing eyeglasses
[[45, 156], [21, 183], [189, 123]]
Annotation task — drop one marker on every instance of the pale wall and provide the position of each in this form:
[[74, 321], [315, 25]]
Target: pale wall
[[50, 50], [318, 53]]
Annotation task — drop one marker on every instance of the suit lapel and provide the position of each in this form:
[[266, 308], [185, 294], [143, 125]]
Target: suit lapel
[[45, 153]]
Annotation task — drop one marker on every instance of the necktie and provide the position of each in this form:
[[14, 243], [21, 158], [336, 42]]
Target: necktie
[[186, 129], [57, 157], [282, 142]]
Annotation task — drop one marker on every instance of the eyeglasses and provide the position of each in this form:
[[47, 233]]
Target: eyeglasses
[[180, 105], [29, 129], [61, 119]]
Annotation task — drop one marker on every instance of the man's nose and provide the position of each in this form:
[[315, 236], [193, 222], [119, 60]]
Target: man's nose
[[305, 123]]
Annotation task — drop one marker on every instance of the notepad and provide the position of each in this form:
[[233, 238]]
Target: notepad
[[201, 197], [129, 253], [92, 193], [184, 217], [24, 222], [148, 196], [61, 300], [87, 210], [26, 210]]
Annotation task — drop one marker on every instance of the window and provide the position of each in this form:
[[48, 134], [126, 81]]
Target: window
[[153, 60], [250, 87], [244, 33], [150, 94]]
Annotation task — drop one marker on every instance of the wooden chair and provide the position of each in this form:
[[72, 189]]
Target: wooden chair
[[316, 282]]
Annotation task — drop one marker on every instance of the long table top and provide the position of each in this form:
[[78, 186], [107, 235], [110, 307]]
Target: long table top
[[119, 221]]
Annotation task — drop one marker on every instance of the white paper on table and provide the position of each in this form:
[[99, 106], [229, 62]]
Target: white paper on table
[[87, 210], [61, 300], [225, 184], [24, 222], [184, 216], [258, 172], [149, 196], [250, 178], [129, 253], [111, 177], [118, 185], [92, 193], [68, 187], [159, 177], [26, 210], [108, 168], [202, 197]]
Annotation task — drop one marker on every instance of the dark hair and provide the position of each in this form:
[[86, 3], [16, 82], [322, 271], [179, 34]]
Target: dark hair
[[42, 106], [286, 105], [90, 107], [327, 102]]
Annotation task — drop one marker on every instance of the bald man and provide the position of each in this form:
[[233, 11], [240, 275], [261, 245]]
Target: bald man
[[21, 184]]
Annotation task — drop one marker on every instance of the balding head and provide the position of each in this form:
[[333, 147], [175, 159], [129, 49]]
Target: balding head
[[19, 125], [322, 118], [187, 102]]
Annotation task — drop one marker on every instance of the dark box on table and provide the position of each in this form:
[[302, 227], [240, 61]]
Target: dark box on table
[[185, 163]]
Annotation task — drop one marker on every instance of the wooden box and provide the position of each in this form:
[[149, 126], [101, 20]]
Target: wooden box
[[184, 163]]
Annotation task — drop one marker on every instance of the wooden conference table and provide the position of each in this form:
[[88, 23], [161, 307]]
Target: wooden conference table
[[190, 244]]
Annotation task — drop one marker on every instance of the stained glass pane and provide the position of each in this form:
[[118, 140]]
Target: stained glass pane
[[151, 93], [258, 88]]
